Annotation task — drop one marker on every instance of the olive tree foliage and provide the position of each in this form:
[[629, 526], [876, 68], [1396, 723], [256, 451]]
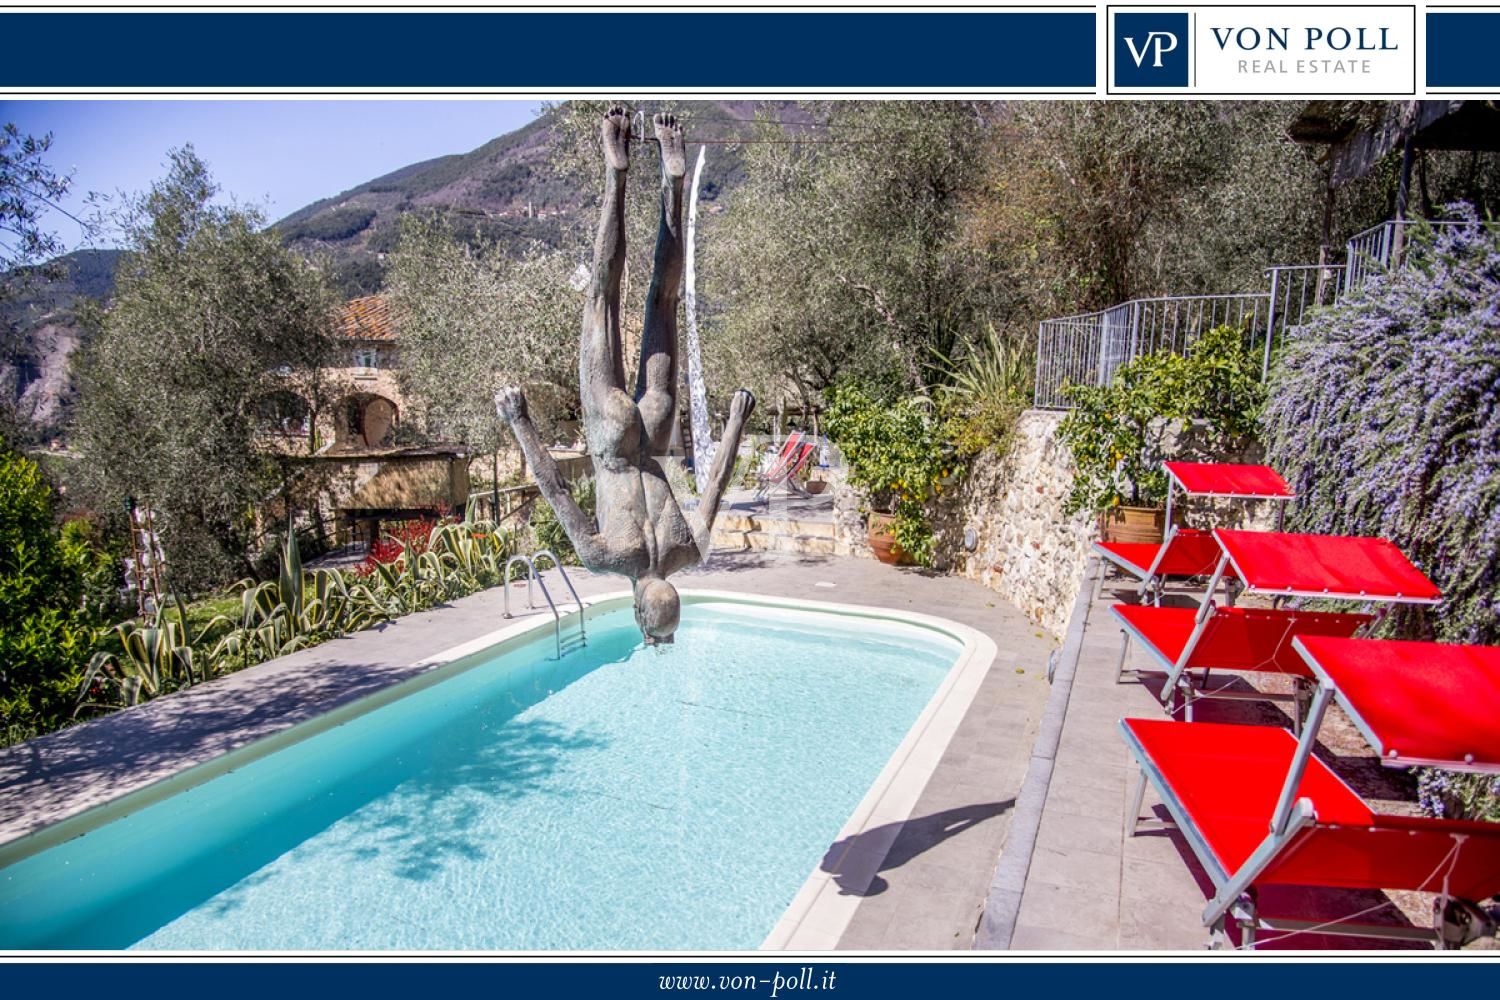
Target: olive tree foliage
[[474, 319], [846, 253], [1100, 202], [210, 316], [29, 188]]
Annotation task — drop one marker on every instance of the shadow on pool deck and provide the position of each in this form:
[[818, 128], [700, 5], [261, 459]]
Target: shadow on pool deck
[[913, 837]]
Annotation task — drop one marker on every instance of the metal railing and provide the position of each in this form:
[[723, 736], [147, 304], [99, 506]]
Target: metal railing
[[1383, 247], [532, 575], [1087, 349], [499, 505]]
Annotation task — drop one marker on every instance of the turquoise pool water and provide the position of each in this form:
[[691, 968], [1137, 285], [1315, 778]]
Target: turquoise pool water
[[623, 797]]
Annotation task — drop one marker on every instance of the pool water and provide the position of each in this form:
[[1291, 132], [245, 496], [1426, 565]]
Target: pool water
[[623, 797]]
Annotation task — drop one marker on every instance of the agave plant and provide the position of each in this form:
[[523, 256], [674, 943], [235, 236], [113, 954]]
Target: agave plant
[[299, 608], [475, 550], [150, 658]]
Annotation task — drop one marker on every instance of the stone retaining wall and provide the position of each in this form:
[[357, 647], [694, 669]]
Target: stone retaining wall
[[1026, 550]]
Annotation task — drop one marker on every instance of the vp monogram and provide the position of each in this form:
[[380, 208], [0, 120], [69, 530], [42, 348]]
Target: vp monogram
[[1157, 42]]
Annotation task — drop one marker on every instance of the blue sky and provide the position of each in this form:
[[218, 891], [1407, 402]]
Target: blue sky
[[277, 155]]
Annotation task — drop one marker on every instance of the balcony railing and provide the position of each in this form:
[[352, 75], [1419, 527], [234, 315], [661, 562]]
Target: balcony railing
[[1087, 349]]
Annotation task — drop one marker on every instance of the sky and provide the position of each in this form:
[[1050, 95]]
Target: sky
[[275, 155]]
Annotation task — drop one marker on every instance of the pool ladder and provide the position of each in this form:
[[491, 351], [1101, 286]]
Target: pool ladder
[[574, 641]]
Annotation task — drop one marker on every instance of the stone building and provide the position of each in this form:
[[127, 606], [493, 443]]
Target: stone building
[[377, 472]]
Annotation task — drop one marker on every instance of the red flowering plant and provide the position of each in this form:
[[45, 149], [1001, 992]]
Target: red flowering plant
[[402, 538]]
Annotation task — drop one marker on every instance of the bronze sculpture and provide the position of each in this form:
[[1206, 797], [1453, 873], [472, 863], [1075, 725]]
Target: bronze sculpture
[[641, 532]]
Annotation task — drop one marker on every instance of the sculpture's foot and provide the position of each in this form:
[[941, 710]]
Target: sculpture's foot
[[658, 609], [614, 131], [510, 403], [673, 151]]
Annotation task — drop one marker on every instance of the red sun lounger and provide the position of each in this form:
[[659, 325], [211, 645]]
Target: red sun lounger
[[1331, 566], [1226, 788], [1185, 552], [1416, 703], [1258, 808], [1336, 567], [1238, 640]]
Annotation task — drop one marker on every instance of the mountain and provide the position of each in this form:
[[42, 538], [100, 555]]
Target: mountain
[[39, 331], [503, 191]]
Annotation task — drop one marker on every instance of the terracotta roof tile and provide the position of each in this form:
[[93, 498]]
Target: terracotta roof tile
[[366, 318]]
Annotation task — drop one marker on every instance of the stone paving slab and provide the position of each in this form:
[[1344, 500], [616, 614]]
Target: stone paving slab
[[930, 873]]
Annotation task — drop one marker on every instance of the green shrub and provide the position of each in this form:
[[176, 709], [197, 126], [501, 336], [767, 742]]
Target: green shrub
[[985, 394], [99, 564], [1117, 432], [897, 456], [45, 634]]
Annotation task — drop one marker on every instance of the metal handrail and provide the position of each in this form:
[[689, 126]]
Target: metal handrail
[[532, 574], [582, 633], [505, 581]]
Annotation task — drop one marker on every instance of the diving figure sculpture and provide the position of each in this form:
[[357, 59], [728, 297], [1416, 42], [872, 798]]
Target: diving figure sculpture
[[641, 532]]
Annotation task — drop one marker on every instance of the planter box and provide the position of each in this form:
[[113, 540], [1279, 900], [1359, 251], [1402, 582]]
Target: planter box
[[1133, 524]]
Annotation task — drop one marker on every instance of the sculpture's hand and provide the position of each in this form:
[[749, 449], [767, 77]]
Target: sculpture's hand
[[740, 406], [511, 404]]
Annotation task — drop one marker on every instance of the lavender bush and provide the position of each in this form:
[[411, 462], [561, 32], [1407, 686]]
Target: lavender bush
[[1384, 415]]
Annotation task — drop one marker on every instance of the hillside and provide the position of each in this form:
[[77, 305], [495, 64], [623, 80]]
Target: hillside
[[39, 331], [504, 191]]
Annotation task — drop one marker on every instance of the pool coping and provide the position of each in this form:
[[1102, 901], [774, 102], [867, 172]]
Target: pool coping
[[821, 909]]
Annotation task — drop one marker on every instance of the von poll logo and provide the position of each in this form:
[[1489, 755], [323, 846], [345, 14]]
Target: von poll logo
[[1151, 50]]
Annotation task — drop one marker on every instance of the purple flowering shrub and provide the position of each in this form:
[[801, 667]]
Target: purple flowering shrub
[[1384, 416]]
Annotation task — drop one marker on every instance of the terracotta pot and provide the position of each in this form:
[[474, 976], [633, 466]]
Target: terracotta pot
[[882, 541], [1133, 524]]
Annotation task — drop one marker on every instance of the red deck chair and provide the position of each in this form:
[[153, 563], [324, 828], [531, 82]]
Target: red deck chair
[[1257, 808], [784, 456], [1237, 640], [1185, 552], [785, 477], [1368, 570]]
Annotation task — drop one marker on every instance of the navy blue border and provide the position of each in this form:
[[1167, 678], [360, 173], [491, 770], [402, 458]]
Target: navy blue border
[[956, 50], [1463, 49], [756, 979]]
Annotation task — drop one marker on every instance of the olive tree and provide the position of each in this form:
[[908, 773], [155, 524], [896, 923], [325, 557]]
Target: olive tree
[[845, 251], [472, 320], [210, 316]]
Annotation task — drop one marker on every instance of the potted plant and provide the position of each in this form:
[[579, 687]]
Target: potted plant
[[896, 458], [1117, 433]]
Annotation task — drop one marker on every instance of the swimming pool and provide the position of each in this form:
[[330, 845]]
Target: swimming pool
[[622, 797]]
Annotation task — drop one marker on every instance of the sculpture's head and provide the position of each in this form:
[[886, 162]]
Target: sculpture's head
[[657, 609]]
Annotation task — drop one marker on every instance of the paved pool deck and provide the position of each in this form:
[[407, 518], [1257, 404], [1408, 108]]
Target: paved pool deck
[[929, 891]]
